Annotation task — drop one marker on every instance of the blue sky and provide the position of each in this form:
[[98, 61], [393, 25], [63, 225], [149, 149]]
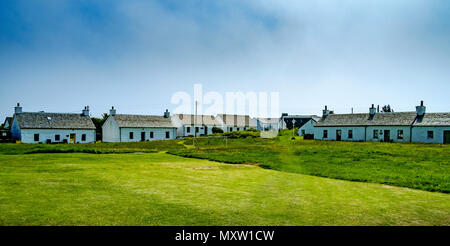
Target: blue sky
[[60, 55]]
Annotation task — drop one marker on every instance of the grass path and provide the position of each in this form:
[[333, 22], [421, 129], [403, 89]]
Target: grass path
[[162, 189]]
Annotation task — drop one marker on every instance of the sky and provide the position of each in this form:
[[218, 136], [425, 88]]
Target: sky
[[60, 55]]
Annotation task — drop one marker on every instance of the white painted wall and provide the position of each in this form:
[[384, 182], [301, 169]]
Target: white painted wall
[[27, 135], [201, 130], [158, 134], [358, 133], [393, 133], [270, 126], [420, 134], [235, 128], [308, 127], [361, 133], [15, 130], [110, 131]]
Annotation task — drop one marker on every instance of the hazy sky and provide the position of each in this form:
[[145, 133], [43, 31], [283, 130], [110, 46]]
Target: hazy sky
[[58, 56]]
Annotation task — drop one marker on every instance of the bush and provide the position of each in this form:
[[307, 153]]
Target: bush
[[243, 134], [217, 130]]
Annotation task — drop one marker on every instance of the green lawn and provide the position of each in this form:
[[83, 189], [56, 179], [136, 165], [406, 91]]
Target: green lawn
[[162, 189], [419, 166]]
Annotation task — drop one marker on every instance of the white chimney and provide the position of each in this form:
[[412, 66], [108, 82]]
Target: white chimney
[[85, 111], [372, 110], [17, 109], [167, 114], [112, 111], [420, 109], [325, 112]]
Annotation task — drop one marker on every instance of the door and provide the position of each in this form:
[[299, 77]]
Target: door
[[387, 135], [446, 137], [72, 138], [338, 135], [206, 130], [142, 136]]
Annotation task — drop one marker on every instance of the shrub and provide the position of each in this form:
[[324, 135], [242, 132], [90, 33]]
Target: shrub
[[217, 130]]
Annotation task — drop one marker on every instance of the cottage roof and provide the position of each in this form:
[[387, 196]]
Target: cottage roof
[[379, 119], [41, 120], [190, 119], [8, 120], [269, 120], [433, 119], [142, 121], [237, 120]]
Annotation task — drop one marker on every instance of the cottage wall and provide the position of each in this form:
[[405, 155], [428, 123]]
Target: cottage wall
[[393, 133], [110, 131], [358, 133], [308, 128], [420, 134], [158, 134], [27, 135]]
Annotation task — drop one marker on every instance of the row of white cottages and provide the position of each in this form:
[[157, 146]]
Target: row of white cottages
[[417, 126], [42, 127]]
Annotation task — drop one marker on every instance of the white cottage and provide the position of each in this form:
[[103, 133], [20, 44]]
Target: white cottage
[[191, 125], [133, 128], [431, 127], [308, 128], [233, 122], [41, 127], [386, 127], [267, 124]]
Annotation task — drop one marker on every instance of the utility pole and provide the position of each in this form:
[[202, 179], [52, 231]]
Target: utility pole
[[195, 124], [293, 128]]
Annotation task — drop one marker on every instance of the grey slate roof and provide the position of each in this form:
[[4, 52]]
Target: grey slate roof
[[269, 120], [433, 119], [237, 120], [43, 120], [190, 119], [8, 120], [142, 121], [379, 119]]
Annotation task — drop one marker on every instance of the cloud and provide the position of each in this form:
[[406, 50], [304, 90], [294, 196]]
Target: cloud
[[135, 54]]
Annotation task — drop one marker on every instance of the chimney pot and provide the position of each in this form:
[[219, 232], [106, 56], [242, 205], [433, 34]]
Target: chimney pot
[[112, 111], [372, 110], [420, 110], [18, 109]]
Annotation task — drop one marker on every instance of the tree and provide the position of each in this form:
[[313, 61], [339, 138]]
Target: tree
[[387, 108], [98, 122]]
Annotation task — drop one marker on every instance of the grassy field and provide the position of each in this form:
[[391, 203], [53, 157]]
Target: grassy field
[[162, 189], [419, 166]]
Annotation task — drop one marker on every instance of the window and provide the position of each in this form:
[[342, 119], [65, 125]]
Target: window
[[131, 135], [303, 132], [196, 129], [430, 134], [238, 128], [57, 137], [36, 137], [231, 129], [400, 134], [325, 134], [188, 129], [350, 134], [375, 134], [83, 137], [167, 134], [151, 134]]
